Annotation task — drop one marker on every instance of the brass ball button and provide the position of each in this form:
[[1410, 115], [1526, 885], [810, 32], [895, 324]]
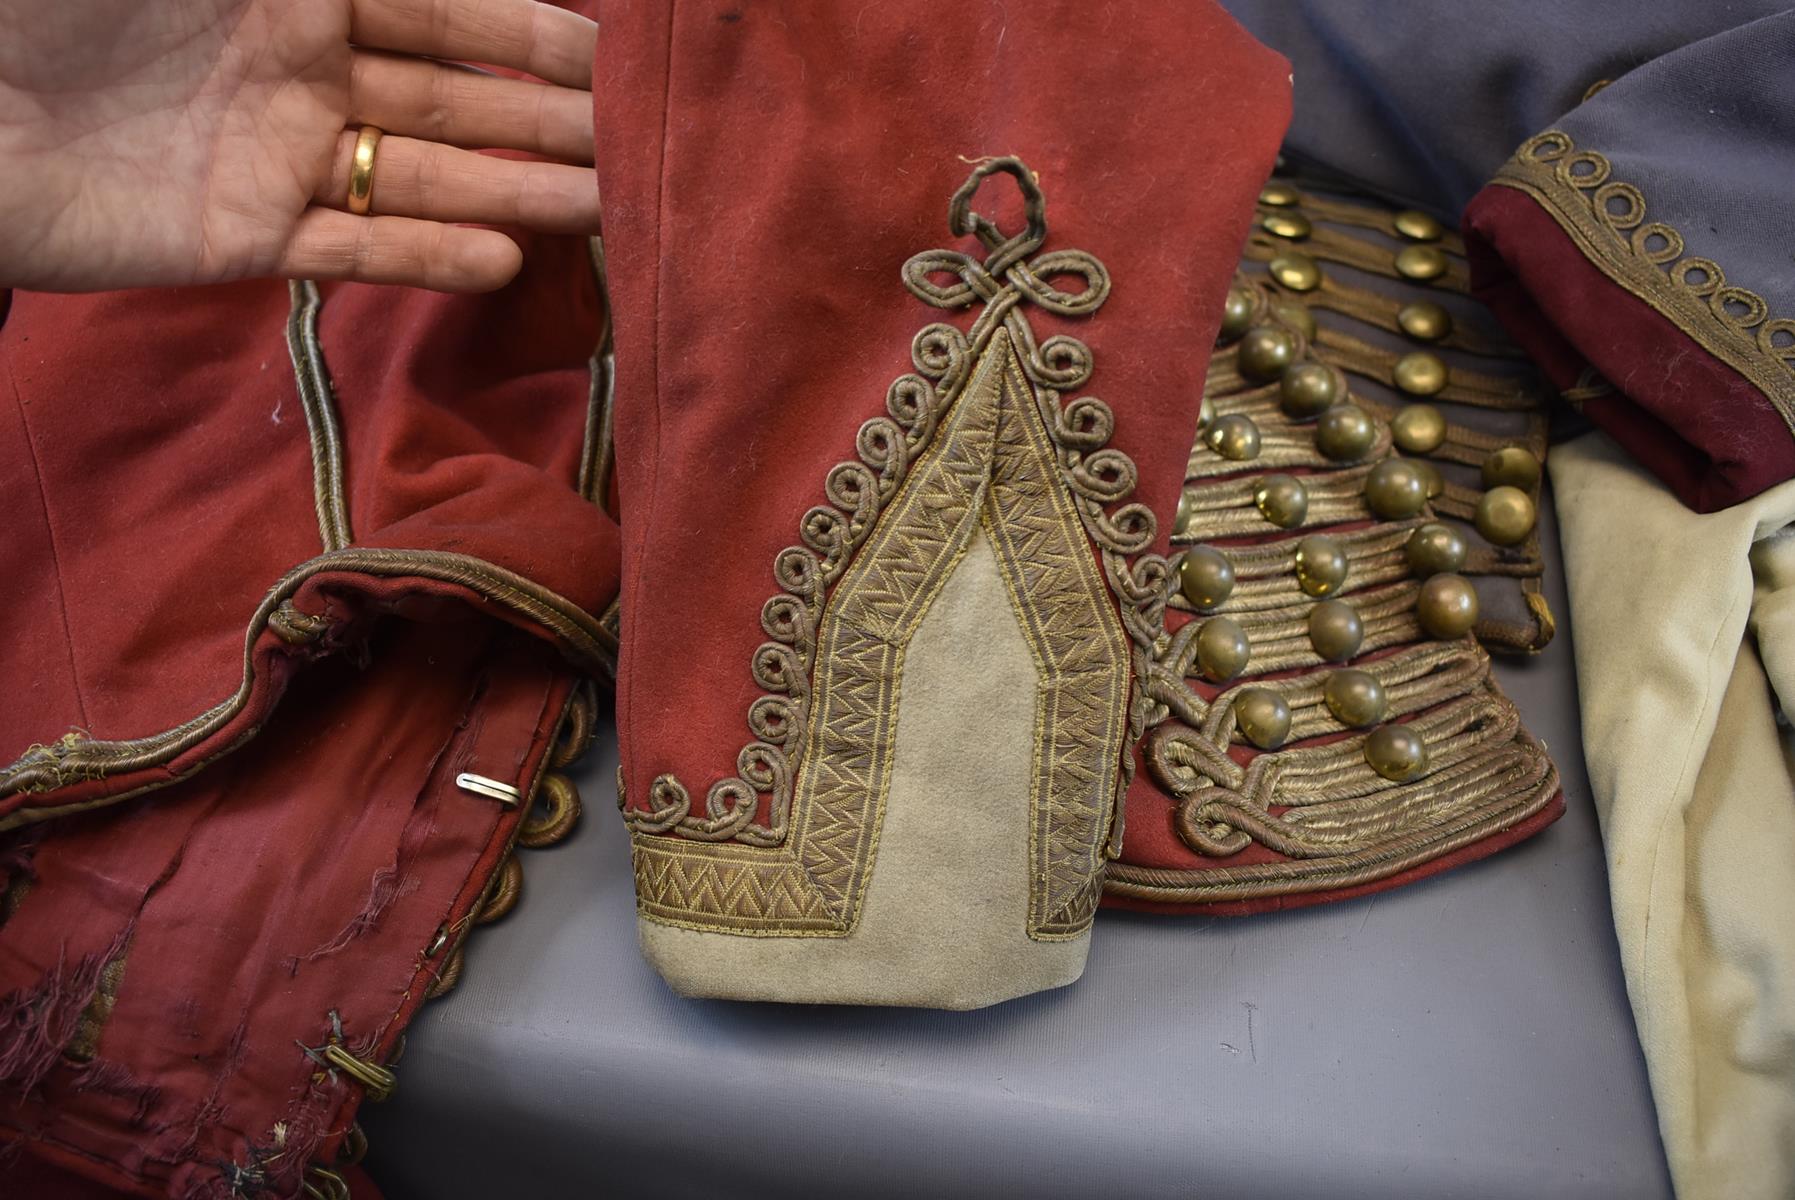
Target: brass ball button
[[1234, 437], [1418, 226], [1418, 429], [1345, 433], [1395, 490], [1237, 313], [1424, 321], [1320, 565], [1222, 650], [1335, 630], [1206, 577], [1282, 500], [1292, 225], [1279, 194], [1447, 606], [1356, 698], [1434, 548], [1420, 373], [1505, 515], [1310, 389], [1266, 352], [1421, 263], [1263, 717], [1295, 270], [1397, 752], [1181, 519], [1511, 466], [1436, 482]]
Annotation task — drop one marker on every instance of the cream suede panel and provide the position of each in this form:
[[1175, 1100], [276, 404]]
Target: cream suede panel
[[1694, 784], [945, 918]]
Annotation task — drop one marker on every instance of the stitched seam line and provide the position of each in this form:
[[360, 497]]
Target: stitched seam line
[[625, 667], [43, 499]]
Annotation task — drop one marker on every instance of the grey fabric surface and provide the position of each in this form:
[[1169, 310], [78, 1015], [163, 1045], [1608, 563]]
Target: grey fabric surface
[[1465, 1037], [1707, 134], [1424, 100]]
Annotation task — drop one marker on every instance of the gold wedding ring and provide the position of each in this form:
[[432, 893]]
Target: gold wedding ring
[[361, 171]]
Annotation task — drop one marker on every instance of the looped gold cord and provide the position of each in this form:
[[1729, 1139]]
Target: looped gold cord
[[1750, 307], [1546, 147], [1005, 252], [1330, 818], [446, 979], [1627, 217], [857, 491], [1594, 174], [502, 896], [1777, 339], [560, 800], [1668, 249], [578, 728], [322, 1183], [1729, 322]]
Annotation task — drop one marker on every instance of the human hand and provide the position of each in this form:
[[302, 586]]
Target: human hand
[[158, 142]]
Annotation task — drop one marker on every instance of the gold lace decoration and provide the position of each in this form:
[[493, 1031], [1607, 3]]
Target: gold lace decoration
[[977, 436], [1334, 822], [1606, 218]]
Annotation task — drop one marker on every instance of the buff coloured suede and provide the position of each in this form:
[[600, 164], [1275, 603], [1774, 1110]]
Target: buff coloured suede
[[1686, 663], [946, 914]]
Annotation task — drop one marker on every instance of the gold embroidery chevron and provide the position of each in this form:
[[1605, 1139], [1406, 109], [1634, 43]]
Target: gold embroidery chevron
[[991, 463]]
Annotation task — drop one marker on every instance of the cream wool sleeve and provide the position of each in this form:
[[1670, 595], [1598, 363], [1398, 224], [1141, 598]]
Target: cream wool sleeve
[[1685, 632]]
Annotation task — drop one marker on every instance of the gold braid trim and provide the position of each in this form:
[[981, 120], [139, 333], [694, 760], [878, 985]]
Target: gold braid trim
[[1336, 821], [1606, 218], [317, 396], [1315, 800], [75, 757], [977, 438]]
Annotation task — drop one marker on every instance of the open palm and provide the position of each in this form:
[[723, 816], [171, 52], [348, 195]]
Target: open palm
[[186, 141]]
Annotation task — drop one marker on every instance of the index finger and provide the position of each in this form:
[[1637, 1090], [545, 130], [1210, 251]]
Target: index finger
[[540, 39]]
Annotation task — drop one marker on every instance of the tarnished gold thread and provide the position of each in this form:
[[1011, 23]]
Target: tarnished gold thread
[[1606, 218], [1332, 820], [73, 758], [896, 524]]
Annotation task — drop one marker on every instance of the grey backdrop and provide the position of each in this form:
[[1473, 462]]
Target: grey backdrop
[[1466, 1037]]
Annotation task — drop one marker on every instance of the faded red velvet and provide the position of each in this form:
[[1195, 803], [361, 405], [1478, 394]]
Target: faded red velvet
[[767, 171], [1711, 435], [158, 469]]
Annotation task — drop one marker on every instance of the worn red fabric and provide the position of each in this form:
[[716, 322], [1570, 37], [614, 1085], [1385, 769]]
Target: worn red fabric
[[1711, 435], [301, 859], [163, 480], [40, 1179], [767, 172]]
